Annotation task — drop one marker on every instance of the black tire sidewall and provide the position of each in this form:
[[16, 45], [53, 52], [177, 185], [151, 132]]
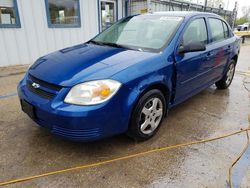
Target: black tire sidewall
[[221, 84], [227, 85], [134, 127]]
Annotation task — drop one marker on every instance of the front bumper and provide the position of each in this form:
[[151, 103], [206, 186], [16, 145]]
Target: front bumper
[[80, 123]]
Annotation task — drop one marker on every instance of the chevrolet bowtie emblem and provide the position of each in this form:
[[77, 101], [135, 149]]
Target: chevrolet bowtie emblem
[[35, 85]]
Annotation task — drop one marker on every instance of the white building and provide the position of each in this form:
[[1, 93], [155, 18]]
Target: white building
[[32, 28]]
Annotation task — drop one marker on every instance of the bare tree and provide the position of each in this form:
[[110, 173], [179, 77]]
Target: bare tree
[[216, 3], [246, 11]]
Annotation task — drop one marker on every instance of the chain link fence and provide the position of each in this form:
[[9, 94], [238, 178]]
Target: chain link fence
[[142, 6]]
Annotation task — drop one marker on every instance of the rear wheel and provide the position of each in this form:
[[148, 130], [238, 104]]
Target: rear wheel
[[147, 115], [227, 79]]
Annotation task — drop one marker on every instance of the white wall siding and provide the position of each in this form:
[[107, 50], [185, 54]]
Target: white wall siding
[[159, 7], [34, 39], [137, 6]]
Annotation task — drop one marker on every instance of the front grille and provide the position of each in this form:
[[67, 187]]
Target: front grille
[[45, 84], [40, 92], [45, 90], [76, 134]]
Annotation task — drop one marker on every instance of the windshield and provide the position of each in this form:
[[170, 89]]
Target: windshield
[[144, 32]]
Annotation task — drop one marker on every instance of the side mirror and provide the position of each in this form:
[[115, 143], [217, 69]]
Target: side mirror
[[191, 47]]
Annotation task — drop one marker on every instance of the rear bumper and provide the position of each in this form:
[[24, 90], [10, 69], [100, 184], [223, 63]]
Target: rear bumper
[[79, 123]]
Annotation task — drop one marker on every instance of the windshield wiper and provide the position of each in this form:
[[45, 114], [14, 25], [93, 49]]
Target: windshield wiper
[[96, 42], [121, 46], [106, 44], [114, 45]]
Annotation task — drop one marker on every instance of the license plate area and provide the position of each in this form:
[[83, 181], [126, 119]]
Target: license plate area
[[28, 109]]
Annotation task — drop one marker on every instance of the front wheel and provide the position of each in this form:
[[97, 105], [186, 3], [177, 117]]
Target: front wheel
[[227, 79], [147, 115]]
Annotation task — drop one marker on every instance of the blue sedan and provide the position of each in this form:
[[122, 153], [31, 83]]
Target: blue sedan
[[126, 79]]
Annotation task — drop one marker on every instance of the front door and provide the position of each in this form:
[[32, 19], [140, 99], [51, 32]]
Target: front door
[[107, 13], [189, 65]]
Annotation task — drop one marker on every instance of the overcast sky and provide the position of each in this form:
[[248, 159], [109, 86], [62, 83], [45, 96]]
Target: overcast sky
[[241, 3]]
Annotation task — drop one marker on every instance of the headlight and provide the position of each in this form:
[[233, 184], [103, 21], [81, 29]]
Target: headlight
[[93, 92]]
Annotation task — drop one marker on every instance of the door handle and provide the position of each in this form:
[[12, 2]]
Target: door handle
[[209, 55], [229, 48]]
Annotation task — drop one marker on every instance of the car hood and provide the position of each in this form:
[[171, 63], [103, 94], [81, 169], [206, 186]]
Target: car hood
[[73, 65]]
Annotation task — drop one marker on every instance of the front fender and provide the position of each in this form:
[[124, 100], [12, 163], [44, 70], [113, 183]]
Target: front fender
[[140, 76], [135, 88]]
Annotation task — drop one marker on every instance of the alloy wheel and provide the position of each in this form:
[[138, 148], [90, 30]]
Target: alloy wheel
[[151, 115], [230, 74]]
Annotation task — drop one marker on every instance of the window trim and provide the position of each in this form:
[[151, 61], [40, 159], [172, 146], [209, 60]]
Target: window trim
[[224, 30], [187, 25], [50, 25], [210, 28], [203, 18], [183, 29], [18, 23]]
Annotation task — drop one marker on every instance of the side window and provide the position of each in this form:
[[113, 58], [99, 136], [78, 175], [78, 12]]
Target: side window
[[195, 32], [9, 14], [216, 29], [226, 30]]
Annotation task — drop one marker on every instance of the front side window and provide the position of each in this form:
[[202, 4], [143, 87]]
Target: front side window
[[141, 32], [9, 14], [195, 32], [63, 13], [217, 29]]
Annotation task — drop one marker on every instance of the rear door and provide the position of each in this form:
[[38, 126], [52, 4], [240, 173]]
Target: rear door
[[189, 65], [219, 49]]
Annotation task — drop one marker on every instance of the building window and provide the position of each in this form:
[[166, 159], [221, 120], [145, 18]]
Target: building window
[[107, 13], [63, 13], [9, 14]]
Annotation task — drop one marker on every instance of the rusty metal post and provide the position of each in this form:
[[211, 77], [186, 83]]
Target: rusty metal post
[[149, 6], [205, 6], [243, 39]]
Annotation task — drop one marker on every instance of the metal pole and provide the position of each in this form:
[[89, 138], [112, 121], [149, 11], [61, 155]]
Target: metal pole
[[130, 6], [205, 6], [235, 13], [149, 5]]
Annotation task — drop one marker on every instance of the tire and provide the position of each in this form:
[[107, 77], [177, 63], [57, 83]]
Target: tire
[[227, 79], [147, 115]]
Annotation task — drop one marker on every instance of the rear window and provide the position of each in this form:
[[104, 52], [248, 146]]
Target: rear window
[[217, 29], [226, 30]]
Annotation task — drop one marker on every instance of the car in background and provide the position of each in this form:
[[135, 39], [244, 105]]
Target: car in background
[[243, 27], [127, 78]]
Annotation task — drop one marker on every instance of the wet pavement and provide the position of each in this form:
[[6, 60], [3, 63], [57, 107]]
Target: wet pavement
[[28, 150]]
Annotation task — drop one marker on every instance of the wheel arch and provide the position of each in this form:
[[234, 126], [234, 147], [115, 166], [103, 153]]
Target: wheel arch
[[157, 85], [160, 86], [235, 58]]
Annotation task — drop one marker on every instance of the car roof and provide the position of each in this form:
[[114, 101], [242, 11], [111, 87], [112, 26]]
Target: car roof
[[183, 13]]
